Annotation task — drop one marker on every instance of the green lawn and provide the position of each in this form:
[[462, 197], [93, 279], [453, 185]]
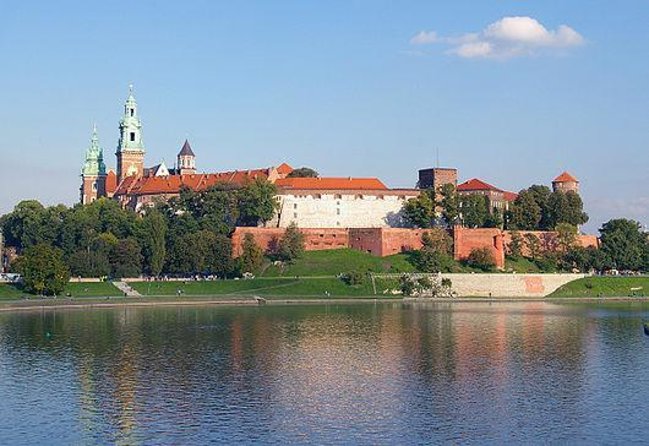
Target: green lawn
[[259, 286], [521, 265], [336, 261], [9, 292], [92, 289], [605, 287]]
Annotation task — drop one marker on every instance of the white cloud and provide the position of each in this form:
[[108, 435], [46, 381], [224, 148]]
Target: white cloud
[[423, 38], [506, 38]]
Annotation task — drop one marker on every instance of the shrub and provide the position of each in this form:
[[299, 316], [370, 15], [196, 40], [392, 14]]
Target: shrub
[[481, 258], [354, 277], [291, 245]]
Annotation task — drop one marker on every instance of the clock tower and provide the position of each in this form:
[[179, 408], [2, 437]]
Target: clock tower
[[130, 148]]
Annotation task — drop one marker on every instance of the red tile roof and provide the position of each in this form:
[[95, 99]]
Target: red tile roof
[[284, 169], [565, 177], [510, 196], [331, 183], [476, 184], [173, 183], [111, 182]]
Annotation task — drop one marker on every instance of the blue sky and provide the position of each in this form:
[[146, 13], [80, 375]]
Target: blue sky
[[342, 86]]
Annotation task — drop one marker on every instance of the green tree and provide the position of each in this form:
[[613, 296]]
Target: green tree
[[257, 203], [152, 234], [252, 257], [303, 172], [450, 204], [525, 213], [31, 224], [218, 255], [494, 219], [89, 263], [291, 245], [481, 258], [625, 244], [126, 259], [43, 270], [475, 210], [419, 212], [567, 237]]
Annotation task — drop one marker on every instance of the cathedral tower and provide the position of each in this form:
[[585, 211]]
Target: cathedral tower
[[186, 160], [130, 149], [93, 174]]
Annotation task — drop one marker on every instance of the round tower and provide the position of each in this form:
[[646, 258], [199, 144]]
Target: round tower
[[565, 183]]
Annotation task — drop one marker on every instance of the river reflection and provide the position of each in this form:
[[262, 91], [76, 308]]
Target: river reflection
[[337, 374]]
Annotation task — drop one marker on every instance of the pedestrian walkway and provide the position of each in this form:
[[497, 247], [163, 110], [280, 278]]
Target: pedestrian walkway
[[126, 289]]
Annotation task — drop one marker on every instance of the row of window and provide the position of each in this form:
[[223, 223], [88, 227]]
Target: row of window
[[339, 197]]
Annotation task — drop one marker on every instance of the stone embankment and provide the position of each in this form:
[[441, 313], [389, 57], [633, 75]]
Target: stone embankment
[[509, 285]]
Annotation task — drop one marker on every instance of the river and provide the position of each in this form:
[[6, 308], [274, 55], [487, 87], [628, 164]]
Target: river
[[392, 373]]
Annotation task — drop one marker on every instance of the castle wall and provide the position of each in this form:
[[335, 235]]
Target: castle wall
[[343, 209], [465, 240], [314, 239], [548, 240]]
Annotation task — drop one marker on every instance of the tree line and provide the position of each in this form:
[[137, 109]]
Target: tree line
[[188, 234], [535, 208]]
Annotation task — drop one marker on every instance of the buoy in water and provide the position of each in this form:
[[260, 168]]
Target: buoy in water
[[645, 326]]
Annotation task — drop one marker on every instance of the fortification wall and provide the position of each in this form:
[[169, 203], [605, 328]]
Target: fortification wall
[[465, 240], [548, 240], [509, 285], [314, 239]]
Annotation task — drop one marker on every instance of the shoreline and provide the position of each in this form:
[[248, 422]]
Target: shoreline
[[250, 301]]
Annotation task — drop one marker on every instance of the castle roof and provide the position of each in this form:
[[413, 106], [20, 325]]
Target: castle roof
[[172, 184], [284, 169], [111, 182], [510, 196], [474, 184], [565, 177], [186, 150], [331, 183]]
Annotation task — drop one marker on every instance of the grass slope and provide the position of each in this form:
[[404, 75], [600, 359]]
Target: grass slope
[[9, 292], [314, 287], [336, 261], [605, 287], [92, 289]]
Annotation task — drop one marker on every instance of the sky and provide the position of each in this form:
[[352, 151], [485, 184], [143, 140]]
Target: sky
[[511, 92]]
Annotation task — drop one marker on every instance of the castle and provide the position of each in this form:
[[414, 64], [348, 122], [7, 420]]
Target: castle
[[322, 202]]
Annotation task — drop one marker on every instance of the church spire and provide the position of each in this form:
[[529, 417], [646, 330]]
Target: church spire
[[130, 148], [94, 164]]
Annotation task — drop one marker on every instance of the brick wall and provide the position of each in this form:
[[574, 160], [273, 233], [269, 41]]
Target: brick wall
[[548, 240], [314, 239], [465, 240]]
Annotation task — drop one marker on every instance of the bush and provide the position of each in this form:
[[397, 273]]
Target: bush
[[291, 245], [43, 270], [354, 277], [481, 258]]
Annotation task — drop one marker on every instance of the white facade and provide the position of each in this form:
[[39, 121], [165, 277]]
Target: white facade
[[342, 209]]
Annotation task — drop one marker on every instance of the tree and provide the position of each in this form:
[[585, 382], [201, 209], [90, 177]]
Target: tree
[[450, 204], [525, 213], [291, 245], [475, 210], [567, 237], [126, 259], [257, 203], [43, 270], [625, 244], [515, 246], [494, 219], [152, 233], [89, 263], [420, 211], [218, 255], [481, 258], [303, 172], [252, 257], [31, 224]]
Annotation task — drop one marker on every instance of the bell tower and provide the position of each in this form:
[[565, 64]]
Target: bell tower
[[93, 174], [186, 160], [130, 148]]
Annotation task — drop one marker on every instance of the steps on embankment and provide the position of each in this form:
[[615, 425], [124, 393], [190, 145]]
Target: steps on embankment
[[126, 289]]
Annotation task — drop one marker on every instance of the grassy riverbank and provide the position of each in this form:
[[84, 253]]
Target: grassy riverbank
[[320, 286], [605, 287], [74, 289]]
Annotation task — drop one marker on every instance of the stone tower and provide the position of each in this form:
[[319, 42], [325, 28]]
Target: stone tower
[[130, 149], [565, 183], [93, 174], [186, 160]]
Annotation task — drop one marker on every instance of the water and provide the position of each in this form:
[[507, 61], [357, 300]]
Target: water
[[338, 374]]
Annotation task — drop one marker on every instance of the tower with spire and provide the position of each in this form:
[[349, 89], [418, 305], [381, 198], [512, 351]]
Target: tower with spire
[[93, 174], [130, 149], [186, 160]]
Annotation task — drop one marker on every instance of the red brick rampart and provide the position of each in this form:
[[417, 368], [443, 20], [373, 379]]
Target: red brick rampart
[[388, 241]]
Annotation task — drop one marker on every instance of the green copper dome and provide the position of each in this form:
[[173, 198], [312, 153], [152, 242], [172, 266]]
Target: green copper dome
[[94, 164]]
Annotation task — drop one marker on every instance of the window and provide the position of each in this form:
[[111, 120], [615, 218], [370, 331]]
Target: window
[[337, 211], [294, 205], [359, 197], [294, 214], [132, 136], [132, 112], [94, 186], [338, 197]]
